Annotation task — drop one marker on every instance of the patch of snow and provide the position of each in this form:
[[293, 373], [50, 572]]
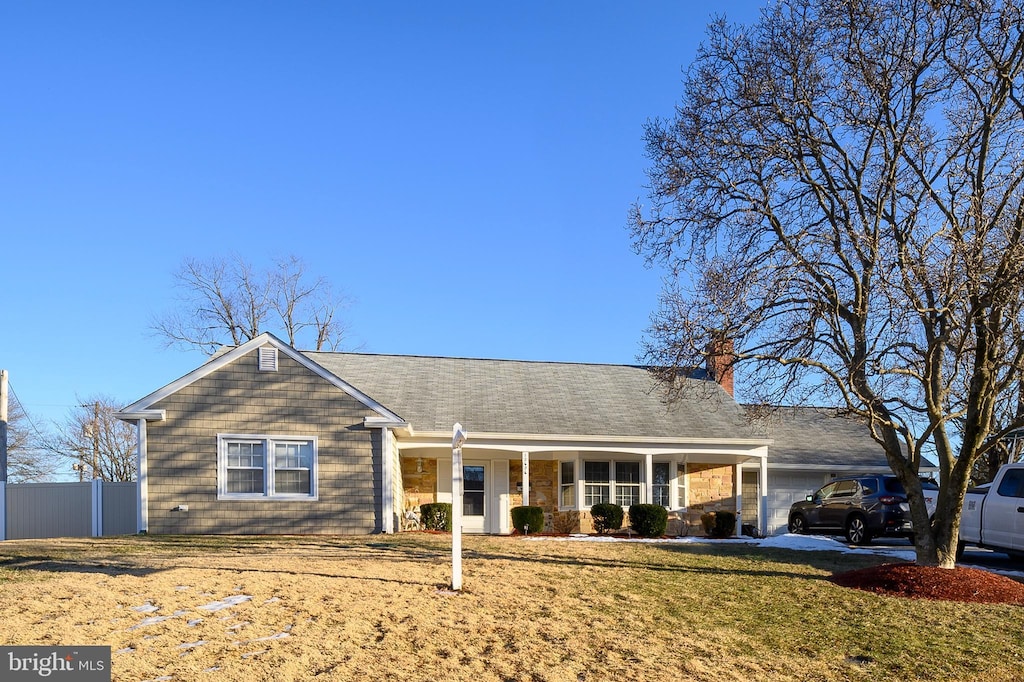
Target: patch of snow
[[225, 603], [194, 622], [279, 635], [790, 541], [191, 645], [153, 620], [126, 650], [146, 608], [272, 600], [255, 653]]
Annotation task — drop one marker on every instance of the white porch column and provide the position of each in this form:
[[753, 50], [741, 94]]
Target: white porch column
[[762, 488], [648, 479], [500, 496], [387, 493], [526, 479], [737, 475], [142, 510]]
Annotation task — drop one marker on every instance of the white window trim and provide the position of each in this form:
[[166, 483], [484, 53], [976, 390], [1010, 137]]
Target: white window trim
[[268, 467]]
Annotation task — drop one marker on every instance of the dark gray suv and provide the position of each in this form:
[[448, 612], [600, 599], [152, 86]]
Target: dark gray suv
[[860, 507]]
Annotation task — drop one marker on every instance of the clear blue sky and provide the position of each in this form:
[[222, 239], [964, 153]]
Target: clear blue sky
[[461, 170]]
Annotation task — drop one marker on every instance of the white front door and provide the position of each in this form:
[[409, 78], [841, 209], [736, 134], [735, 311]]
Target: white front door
[[474, 497]]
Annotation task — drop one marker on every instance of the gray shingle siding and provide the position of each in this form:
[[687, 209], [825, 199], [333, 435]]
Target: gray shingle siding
[[238, 399]]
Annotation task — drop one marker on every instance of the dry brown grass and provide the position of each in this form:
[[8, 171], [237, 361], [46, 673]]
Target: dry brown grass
[[365, 608]]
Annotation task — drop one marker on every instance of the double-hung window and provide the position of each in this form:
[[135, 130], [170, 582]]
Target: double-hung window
[[660, 487], [265, 467], [627, 483], [598, 483], [567, 485]]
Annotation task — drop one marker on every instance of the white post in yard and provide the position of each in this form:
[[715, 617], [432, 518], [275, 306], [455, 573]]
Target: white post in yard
[[458, 439], [762, 516]]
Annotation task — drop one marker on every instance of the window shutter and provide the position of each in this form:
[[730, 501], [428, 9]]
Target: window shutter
[[268, 359]]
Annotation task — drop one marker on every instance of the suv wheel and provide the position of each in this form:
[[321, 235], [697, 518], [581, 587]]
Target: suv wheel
[[857, 530], [797, 524]]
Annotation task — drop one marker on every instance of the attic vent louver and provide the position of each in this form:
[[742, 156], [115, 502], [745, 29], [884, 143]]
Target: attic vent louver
[[268, 359]]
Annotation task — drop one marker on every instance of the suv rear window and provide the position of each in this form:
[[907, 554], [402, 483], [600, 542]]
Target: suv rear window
[[893, 485]]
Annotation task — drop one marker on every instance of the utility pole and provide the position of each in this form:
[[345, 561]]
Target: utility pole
[[96, 440]]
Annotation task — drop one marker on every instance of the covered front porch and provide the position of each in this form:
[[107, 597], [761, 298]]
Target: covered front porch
[[567, 476]]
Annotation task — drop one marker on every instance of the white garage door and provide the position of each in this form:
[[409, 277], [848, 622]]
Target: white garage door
[[785, 488]]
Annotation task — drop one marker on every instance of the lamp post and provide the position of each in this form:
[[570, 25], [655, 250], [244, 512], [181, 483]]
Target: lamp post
[[458, 440]]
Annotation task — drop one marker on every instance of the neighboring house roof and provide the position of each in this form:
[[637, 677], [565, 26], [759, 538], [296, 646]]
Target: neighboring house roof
[[544, 398], [817, 435]]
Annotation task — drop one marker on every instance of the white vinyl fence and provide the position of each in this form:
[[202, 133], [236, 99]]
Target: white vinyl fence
[[54, 510]]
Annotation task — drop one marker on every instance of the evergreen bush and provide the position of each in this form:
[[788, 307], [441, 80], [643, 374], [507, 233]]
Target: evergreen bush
[[436, 516], [607, 516], [648, 520], [528, 519]]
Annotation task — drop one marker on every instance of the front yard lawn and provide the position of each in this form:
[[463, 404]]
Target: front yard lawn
[[301, 608]]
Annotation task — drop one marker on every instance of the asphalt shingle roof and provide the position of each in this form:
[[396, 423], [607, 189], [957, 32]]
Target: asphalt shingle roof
[[544, 398], [818, 435]]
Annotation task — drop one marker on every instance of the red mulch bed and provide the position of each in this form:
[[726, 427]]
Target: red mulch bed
[[929, 582]]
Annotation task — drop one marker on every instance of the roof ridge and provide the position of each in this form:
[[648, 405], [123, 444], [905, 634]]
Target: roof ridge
[[474, 359]]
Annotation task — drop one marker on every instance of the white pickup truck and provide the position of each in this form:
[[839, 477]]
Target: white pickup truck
[[993, 515]]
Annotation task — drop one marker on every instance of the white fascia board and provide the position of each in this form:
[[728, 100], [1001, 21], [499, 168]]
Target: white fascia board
[[708, 449], [147, 415], [399, 427], [577, 439], [247, 347], [867, 469]]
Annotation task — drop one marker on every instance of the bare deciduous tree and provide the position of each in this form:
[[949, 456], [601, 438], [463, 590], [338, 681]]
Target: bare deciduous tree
[[840, 193], [99, 444], [28, 460], [227, 302]]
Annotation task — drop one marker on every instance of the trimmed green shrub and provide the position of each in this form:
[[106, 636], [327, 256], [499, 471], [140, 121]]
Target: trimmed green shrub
[[721, 524], [648, 520], [528, 519], [607, 516], [436, 516]]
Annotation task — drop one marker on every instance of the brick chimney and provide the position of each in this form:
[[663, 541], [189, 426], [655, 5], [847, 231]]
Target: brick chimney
[[720, 360]]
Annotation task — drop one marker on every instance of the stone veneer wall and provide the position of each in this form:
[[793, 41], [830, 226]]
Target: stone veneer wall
[[711, 487], [239, 399], [543, 488], [419, 487]]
